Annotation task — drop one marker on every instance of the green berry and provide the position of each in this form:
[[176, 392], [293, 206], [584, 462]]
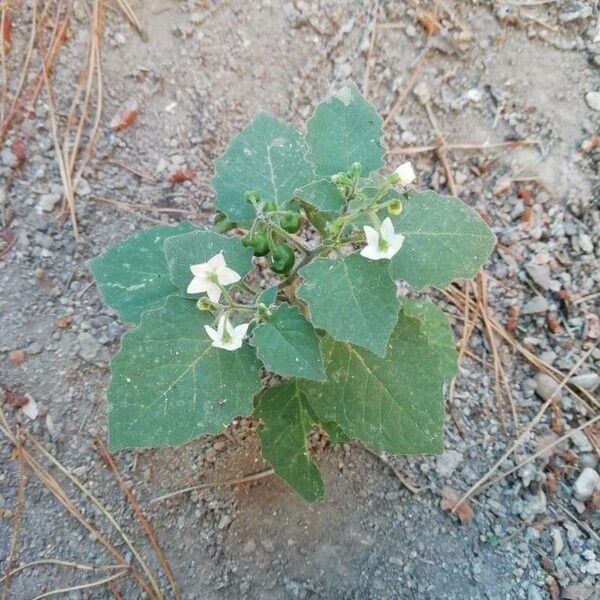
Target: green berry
[[269, 206], [291, 222], [260, 243], [282, 259]]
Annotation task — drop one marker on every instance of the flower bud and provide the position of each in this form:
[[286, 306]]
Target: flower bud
[[263, 312], [395, 207], [404, 174], [204, 304]]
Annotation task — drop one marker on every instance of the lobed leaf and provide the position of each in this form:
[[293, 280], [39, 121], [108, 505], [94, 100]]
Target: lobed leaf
[[268, 156], [170, 385], [444, 240], [394, 403], [288, 344], [133, 276], [436, 328], [197, 247], [286, 423], [352, 298], [345, 129]]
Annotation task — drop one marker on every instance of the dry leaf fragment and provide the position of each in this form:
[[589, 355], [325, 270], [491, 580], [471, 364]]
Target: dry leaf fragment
[[16, 400], [449, 499], [124, 119], [17, 357], [19, 150], [6, 32], [181, 176]]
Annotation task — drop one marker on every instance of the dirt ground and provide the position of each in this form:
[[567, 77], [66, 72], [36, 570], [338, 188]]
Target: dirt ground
[[494, 72]]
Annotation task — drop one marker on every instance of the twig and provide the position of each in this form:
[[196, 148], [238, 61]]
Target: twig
[[83, 586], [137, 509], [475, 487], [465, 146], [130, 14], [204, 486], [12, 556], [407, 483], [60, 563], [94, 500], [369, 58], [441, 150]]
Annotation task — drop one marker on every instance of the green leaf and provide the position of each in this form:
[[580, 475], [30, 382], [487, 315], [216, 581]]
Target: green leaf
[[353, 298], [268, 156], [268, 296], [286, 423], [322, 194], [199, 246], [345, 129], [444, 240], [133, 276], [170, 385], [394, 403], [288, 344], [436, 328]]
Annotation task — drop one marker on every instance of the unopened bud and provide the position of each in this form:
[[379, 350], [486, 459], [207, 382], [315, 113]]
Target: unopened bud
[[395, 207], [204, 304]]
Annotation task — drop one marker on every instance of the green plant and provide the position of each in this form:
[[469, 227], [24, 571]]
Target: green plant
[[351, 357]]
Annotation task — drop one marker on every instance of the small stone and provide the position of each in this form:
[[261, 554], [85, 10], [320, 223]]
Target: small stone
[[581, 441], [421, 93], [586, 484], [545, 387], [534, 505], [593, 100], [83, 187], [578, 591], [573, 11], [534, 593], [447, 462], [88, 345], [224, 522], [48, 202], [588, 381], [8, 158], [249, 547], [593, 567], [474, 95], [17, 357], [557, 541], [34, 348], [343, 70], [538, 304], [541, 276]]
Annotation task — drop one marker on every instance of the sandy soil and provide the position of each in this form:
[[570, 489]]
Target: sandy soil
[[496, 73]]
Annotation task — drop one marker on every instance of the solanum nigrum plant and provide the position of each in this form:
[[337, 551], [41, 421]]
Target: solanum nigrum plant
[[313, 334]]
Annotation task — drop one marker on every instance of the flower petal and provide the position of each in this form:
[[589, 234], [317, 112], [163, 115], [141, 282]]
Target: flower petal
[[387, 230], [198, 285], [217, 262], [199, 269], [372, 236], [213, 334], [213, 291], [372, 253], [240, 331], [227, 276], [221, 325]]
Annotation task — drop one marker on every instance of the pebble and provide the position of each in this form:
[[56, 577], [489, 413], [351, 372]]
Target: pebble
[[593, 100], [474, 95], [8, 158], [586, 484], [538, 304], [581, 441], [545, 386], [421, 93], [588, 381], [447, 462], [557, 541], [573, 11], [535, 504], [88, 345], [541, 276], [17, 357], [48, 202], [224, 522]]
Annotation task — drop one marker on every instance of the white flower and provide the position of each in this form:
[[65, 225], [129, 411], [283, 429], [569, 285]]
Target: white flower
[[226, 336], [405, 173], [383, 243], [210, 275]]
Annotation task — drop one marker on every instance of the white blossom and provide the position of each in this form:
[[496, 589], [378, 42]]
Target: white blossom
[[383, 243], [209, 276], [226, 336], [405, 173]]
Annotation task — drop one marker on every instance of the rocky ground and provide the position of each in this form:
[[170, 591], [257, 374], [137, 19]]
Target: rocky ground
[[495, 72]]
